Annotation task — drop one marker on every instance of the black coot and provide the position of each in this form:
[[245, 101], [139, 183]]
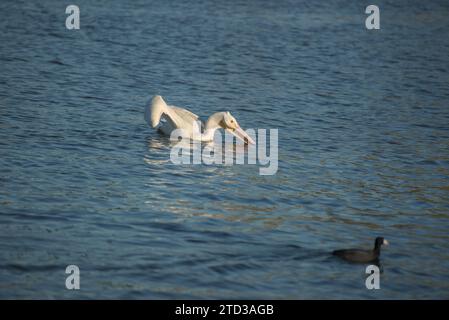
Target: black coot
[[359, 255]]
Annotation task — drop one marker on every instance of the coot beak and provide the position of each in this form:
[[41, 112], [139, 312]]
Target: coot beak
[[385, 242]]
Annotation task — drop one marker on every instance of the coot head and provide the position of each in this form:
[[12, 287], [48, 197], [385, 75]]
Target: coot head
[[380, 241]]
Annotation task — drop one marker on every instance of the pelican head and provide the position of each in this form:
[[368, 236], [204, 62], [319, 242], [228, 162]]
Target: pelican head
[[230, 124]]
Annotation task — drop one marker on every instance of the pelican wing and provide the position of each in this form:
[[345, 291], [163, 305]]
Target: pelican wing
[[171, 116], [185, 114], [158, 110], [189, 119]]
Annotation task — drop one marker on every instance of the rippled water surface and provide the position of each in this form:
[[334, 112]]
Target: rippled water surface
[[363, 121]]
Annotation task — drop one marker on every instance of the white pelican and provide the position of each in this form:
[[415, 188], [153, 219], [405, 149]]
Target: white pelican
[[179, 118]]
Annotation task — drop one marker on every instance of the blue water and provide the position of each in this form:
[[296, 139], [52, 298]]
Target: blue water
[[363, 119]]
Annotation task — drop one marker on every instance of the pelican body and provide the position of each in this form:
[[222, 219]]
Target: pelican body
[[174, 118]]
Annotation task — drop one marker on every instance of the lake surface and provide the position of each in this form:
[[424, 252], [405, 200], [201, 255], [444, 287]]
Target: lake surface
[[363, 120]]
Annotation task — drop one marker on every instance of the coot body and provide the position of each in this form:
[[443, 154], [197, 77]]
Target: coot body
[[360, 255]]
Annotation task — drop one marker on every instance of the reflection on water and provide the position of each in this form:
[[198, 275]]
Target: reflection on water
[[363, 151], [224, 151]]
